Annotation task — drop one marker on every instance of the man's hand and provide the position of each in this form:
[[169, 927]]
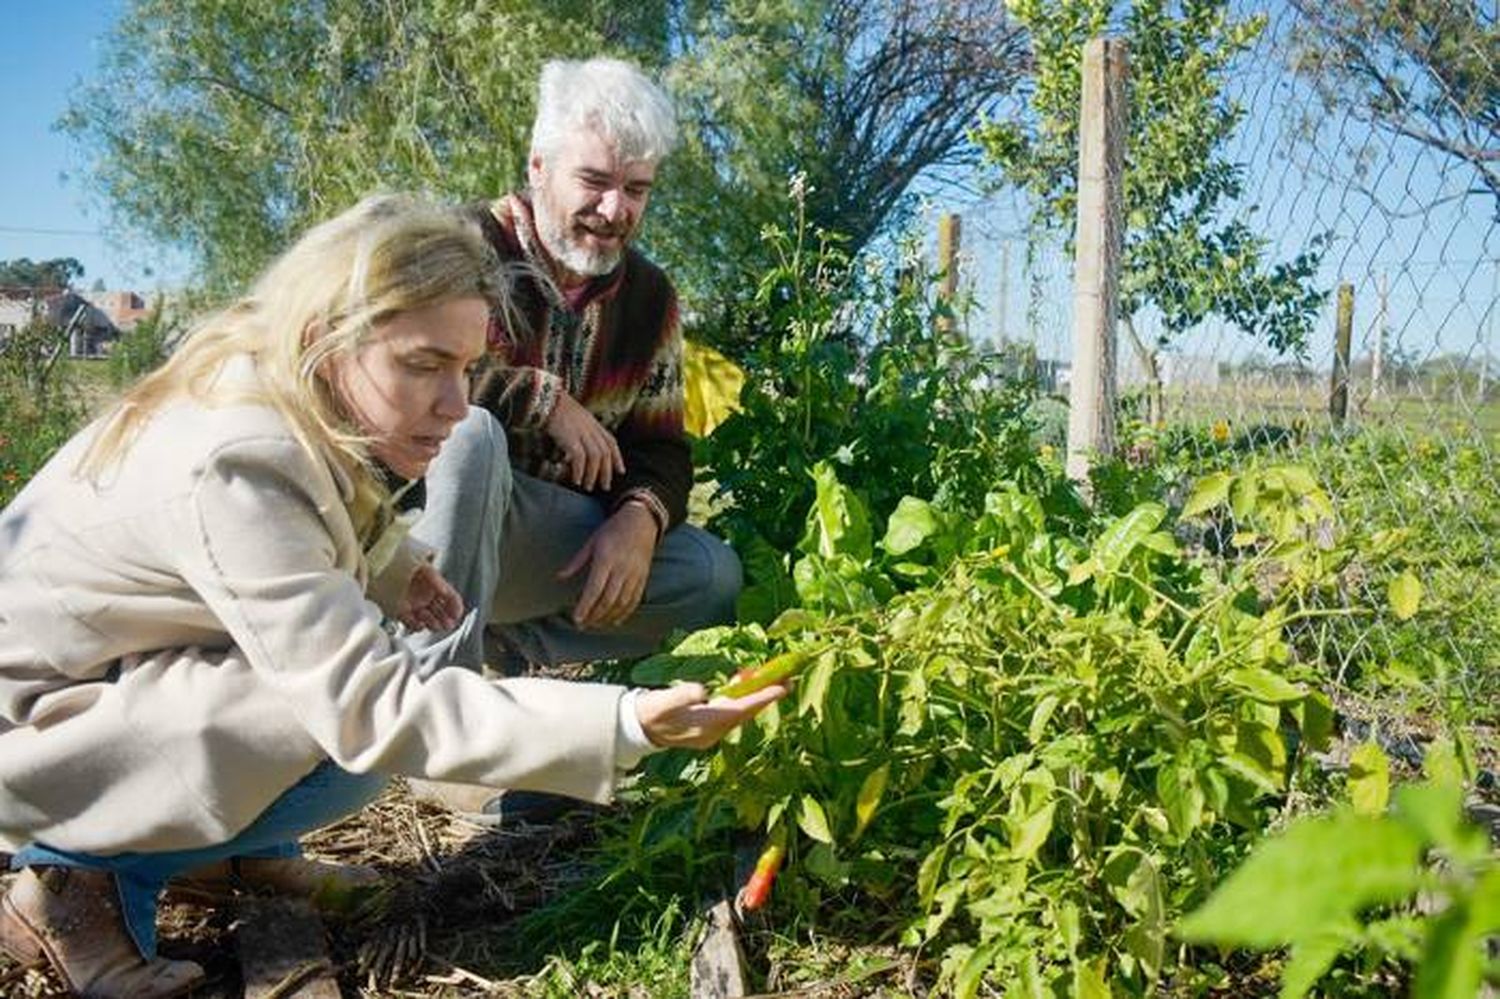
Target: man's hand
[[593, 453], [430, 603], [618, 556], [682, 715]]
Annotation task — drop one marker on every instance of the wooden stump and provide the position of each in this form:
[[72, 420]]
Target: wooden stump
[[718, 964]]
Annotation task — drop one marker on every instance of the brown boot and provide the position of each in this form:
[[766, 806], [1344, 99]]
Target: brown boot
[[332, 888], [71, 917]]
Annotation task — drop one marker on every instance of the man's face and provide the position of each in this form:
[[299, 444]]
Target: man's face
[[588, 202]]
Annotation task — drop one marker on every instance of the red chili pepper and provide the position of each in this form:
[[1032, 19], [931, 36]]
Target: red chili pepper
[[773, 670], [757, 890]]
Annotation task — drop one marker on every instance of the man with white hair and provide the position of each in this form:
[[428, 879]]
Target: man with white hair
[[557, 507]]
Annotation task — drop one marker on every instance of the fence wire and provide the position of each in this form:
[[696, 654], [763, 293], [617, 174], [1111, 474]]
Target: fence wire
[[1407, 202]]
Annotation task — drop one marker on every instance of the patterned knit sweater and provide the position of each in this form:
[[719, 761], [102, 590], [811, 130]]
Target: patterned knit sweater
[[613, 345]]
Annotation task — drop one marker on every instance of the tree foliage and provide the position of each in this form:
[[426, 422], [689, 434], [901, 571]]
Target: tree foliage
[[859, 97], [1425, 70], [23, 272], [224, 126], [1183, 254]]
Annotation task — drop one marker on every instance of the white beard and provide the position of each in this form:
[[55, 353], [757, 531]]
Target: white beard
[[559, 243]]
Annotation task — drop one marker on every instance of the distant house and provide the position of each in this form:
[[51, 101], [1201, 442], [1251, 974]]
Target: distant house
[[91, 331], [124, 308]]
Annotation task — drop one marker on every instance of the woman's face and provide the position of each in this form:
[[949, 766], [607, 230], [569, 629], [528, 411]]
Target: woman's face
[[407, 384]]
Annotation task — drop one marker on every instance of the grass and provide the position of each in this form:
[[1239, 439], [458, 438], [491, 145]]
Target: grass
[[1245, 404]]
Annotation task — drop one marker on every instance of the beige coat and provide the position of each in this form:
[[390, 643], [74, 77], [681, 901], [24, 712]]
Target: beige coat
[[181, 645]]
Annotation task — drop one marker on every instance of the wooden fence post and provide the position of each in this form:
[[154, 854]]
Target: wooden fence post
[[1377, 359], [1096, 281], [950, 234], [1338, 388]]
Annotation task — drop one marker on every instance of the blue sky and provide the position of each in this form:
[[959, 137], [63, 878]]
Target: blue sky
[[1438, 258], [45, 210]]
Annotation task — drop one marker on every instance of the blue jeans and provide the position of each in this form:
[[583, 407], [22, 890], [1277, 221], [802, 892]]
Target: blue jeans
[[501, 537], [322, 797]]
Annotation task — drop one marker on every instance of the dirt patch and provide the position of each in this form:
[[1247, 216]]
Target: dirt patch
[[439, 929]]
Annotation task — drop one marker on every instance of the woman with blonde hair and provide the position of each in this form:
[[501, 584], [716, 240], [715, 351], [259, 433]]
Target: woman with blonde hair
[[196, 658]]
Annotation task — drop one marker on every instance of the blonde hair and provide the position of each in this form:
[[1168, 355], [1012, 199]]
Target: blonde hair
[[386, 255]]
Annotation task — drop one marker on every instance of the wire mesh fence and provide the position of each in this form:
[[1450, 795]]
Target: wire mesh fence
[[1372, 142]]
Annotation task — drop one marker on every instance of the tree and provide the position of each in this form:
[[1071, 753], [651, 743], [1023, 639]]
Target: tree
[[1182, 254], [223, 126], [25, 273], [857, 97], [1425, 70]]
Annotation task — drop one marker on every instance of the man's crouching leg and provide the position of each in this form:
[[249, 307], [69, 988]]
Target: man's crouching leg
[[694, 582], [468, 497]]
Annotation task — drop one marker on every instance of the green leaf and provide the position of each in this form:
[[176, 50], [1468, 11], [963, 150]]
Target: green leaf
[[1211, 491], [768, 586], [1311, 959], [1252, 770], [1405, 595], [966, 984], [837, 524], [912, 522], [1451, 966], [1089, 981], [812, 689], [913, 702], [1069, 927], [668, 667], [870, 793], [1126, 534], [1040, 716], [1162, 542], [1265, 686], [1434, 810], [812, 820], [928, 874], [1298, 480], [1441, 764], [1486, 902], [1180, 795], [823, 863], [1028, 835], [1369, 779], [1315, 719], [1319, 873]]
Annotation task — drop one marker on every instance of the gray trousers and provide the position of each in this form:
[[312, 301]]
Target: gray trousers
[[502, 536]]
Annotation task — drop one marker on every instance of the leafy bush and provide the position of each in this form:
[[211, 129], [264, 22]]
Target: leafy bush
[[1026, 750], [1348, 883], [39, 406], [142, 349], [852, 366]]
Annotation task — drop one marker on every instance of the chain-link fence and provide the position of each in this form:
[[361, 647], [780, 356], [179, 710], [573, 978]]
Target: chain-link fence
[[1372, 143]]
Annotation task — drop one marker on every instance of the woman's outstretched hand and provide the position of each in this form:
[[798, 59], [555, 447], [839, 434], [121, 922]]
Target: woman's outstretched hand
[[682, 716], [430, 602]]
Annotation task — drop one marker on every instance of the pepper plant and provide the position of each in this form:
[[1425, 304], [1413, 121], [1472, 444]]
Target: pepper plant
[[1021, 750]]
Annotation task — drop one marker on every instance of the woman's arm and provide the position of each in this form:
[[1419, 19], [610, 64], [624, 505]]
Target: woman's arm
[[269, 555]]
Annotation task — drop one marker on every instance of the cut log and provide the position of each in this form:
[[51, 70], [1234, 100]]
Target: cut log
[[719, 964]]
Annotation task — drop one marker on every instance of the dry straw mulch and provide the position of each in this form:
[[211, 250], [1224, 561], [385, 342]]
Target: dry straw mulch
[[437, 931]]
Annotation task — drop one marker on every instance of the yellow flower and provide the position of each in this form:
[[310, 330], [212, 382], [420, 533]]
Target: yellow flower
[[1220, 431]]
